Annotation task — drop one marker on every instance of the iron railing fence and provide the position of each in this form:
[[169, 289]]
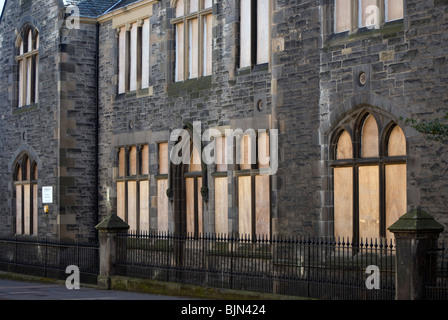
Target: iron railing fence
[[437, 287], [48, 258], [299, 266]]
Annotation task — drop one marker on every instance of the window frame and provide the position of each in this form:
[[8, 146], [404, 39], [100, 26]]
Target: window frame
[[26, 174], [162, 182], [194, 173], [355, 14], [201, 16], [27, 62], [253, 172], [130, 80], [254, 36], [138, 177], [357, 161]]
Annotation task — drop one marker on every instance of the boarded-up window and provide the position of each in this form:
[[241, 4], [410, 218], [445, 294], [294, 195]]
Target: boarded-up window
[[221, 205], [349, 15], [221, 188], [162, 187], [133, 186], [369, 201], [26, 193], [343, 15], [254, 32], [396, 180], [343, 188], [133, 56], [369, 13], [28, 67], [360, 210], [369, 138], [193, 193], [253, 189], [193, 40], [394, 10]]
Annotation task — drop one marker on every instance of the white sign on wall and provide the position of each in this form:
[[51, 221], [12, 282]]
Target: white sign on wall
[[47, 194]]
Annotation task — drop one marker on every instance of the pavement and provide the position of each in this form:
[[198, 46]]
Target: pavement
[[24, 290]]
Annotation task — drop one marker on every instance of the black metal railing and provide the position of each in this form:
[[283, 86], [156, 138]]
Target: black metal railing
[[298, 266], [436, 288], [49, 259]]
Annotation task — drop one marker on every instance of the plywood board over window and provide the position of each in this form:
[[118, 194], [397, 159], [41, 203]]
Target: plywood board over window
[[396, 180], [394, 10], [369, 13], [344, 148], [162, 187], [28, 67], [146, 36], [262, 206], [343, 202], [123, 60], [254, 32], [19, 210], [144, 205], [208, 45], [369, 196], [245, 206], [145, 160], [369, 179], [194, 206], [263, 23], [26, 193], [369, 138], [162, 205], [133, 186], [245, 34], [193, 39], [343, 15], [133, 57], [221, 205]]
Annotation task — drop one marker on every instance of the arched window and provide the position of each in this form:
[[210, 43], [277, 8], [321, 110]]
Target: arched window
[[369, 178], [193, 25], [28, 67], [25, 185]]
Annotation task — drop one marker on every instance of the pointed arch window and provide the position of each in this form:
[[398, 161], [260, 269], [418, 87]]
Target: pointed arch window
[[28, 67], [369, 178], [26, 195]]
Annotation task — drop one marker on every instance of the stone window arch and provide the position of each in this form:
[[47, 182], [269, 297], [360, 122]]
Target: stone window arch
[[26, 195], [27, 59], [368, 162]]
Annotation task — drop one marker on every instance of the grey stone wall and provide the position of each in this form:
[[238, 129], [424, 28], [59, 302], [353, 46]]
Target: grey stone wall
[[29, 129], [405, 62], [309, 86], [60, 130]]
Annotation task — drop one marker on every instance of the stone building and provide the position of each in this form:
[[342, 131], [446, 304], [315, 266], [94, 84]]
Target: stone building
[[99, 98]]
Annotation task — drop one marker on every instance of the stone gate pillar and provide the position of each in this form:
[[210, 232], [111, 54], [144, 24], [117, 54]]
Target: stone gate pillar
[[108, 230], [416, 235]]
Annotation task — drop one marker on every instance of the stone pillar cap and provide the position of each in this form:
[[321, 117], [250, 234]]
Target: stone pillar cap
[[416, 220], [112, 223]]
